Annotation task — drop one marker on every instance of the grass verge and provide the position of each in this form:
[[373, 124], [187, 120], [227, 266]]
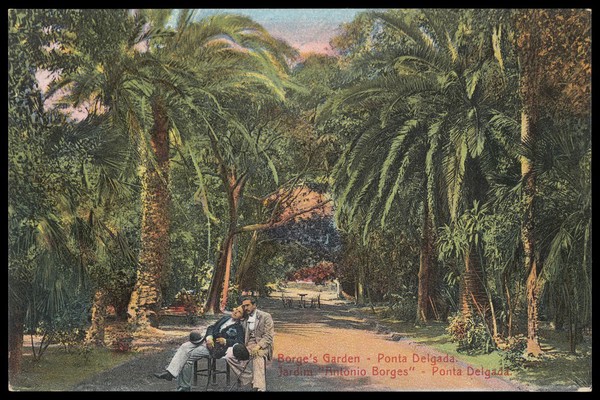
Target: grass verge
[[556, 370], [60, 371]]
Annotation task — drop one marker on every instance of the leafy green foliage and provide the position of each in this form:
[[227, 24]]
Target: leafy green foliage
[[512, 354], [402, 306], [416, 120], [471, 334]]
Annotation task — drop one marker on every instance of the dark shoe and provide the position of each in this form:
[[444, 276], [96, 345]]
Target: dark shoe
[[183, 389], [164, 375]]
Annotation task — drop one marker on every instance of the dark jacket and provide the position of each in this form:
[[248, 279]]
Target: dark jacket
[[233, 334]]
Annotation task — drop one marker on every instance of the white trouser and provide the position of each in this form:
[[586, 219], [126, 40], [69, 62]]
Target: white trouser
[[254, 373], [182, 363]]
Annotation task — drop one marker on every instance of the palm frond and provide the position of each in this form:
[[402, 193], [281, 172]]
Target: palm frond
[[408, 160], [409, 28], [360, 199], [454, 166], [407, 128]]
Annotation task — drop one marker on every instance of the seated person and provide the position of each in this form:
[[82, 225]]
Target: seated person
[[259, 332], [221, 336]]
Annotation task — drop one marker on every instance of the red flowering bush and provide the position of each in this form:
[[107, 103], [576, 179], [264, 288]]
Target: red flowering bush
[[122, 344], [319, 273]]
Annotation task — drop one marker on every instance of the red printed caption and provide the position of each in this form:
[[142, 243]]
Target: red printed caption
[[395, 366]]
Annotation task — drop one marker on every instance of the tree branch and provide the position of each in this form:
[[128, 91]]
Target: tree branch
[[274, 224]]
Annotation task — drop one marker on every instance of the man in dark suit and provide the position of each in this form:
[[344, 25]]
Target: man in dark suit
[[225, 333], [259, 332]]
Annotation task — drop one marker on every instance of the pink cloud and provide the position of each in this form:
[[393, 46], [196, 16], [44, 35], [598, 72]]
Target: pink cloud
[[315, 47], [44, 78]]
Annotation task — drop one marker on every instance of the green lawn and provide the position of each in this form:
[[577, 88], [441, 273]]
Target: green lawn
[[60, 371], [557, 368]]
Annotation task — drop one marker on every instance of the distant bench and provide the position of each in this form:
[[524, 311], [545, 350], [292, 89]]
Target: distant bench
[[288, 302]]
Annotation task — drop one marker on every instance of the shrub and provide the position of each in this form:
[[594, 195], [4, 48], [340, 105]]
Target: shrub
[[190, 301], [401, 306], [513, 354], [319, 273], [471, 335], [68, 326], [84, 351]]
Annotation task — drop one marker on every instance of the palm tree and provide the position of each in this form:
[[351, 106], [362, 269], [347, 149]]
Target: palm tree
[[233, 58], [564, 225], [435, 97], [549, 63], [97, 213], [133, 88]]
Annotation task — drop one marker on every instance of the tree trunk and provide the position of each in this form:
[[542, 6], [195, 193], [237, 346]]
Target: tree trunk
[[424, 299], [244, 278], [16, 323], [95, 334], [529, 44], [533, 342], [228, 258], [212, 305], [360, 283], [219, 284], [473, 298], [146, 298], [527, 233]]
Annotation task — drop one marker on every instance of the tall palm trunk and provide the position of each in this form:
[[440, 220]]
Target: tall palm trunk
[[424, 296], [219, 285], [16, 324], [473, 298], [146, 298], [527, 231], [528, 46], [95, 334]]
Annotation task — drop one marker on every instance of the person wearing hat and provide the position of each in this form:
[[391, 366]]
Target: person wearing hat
[[221, 336], [259, 332]]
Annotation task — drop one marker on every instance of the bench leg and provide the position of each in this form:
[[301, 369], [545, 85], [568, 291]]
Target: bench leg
[[195, 373], [213, 371], [227, 374], [208, 372]]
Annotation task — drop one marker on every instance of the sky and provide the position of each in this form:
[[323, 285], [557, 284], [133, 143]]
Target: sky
[[307, 29]]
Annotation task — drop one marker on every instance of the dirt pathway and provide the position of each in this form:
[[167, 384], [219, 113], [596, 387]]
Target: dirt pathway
[[331, 349], [326, 349]]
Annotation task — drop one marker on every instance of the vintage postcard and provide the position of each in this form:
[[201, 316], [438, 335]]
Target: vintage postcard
[[344, 199]]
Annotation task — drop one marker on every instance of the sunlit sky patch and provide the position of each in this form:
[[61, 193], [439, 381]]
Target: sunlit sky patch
[[309, 30]]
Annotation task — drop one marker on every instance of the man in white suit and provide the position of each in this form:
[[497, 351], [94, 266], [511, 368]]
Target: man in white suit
[[259, 332], [219, 338]]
